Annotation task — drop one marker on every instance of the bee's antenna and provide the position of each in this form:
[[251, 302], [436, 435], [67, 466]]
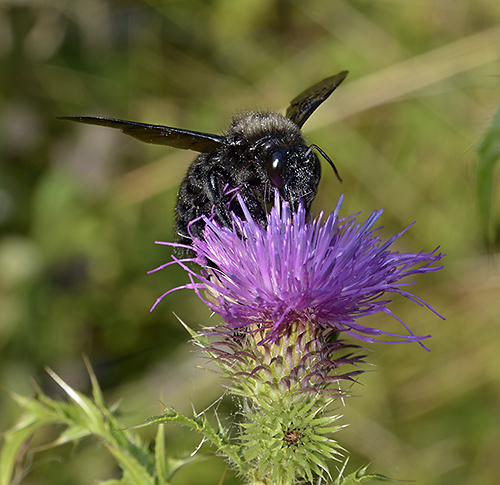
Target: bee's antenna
[[325, 156]]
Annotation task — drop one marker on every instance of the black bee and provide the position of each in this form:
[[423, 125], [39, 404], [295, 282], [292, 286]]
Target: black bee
[[260, 152]]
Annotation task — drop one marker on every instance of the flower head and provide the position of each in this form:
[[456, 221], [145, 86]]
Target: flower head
[[287, 292], [300, 269]]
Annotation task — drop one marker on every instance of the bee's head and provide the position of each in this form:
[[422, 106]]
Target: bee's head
[[275, 155], [294, 170], [273, 146]]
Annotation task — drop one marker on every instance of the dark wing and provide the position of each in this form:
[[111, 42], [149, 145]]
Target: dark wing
[[306, 102], [157, 134]]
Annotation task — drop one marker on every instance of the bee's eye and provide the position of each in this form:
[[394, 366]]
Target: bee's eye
[[275, 164]]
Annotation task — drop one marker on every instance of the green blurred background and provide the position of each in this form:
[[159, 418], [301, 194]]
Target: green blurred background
[[80, 207]]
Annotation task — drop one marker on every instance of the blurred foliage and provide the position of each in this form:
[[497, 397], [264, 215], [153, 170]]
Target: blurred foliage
[[81, 206], [487, 167]]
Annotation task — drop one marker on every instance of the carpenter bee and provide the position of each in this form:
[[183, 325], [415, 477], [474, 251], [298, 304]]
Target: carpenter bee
[[259, 153]]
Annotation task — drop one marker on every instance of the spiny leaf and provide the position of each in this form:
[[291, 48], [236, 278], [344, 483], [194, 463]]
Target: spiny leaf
[[361, 476], [201, 425], [78, 418]]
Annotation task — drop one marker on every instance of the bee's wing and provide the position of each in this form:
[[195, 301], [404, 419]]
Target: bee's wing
[[157, 134], [306, 102]]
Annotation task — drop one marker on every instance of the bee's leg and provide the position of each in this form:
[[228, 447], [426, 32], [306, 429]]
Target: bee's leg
[[219, 184], [225, 203]]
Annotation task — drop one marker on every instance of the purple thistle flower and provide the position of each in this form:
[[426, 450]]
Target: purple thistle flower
[[287, 292], [298, 269]]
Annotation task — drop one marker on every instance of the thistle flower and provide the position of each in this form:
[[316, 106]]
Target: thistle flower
[[287, 294], [329, 274]]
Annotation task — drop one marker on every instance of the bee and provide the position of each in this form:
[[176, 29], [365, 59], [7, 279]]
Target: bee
[[260, 153]]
